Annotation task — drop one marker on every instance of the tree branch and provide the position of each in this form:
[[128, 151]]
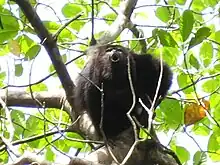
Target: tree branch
[[51, 47], [120, 23], [54, 99]]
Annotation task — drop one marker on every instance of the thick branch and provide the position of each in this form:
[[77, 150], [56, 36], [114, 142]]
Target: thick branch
[[50, 46], [54, 99], [147, 152], [120, 23], [34, 159]]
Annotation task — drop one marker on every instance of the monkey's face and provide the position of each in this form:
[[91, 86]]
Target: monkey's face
[[116, 59], [116, 55], [109, 65]]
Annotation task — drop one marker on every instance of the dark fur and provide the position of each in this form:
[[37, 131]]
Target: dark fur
[[99, 69]]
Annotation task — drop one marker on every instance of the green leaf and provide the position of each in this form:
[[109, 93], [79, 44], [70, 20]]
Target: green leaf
[[183, 154], [70, 10], [62, 145], [186, 24], [216, 113], [33, 126], [215, 100], [65, 35], [73, 143], [36, 126], [2, 78], [135, 46], [51, 69], [163, 14], [4, 49], [172, 111], [54, 114], [217, 67], [18, 119], [194, 62], [214, 147], [50, 154], [25, 43], [142, 15], [200, 35], [40, 143], [80, 63], [166, 39], [51, 26], [4, 157], [9, 23], [33, 52], [2, 75], [200, 158], [198, 17], [184, 80], [115, 3], [202, 130], [217, 36], [2, 2], [212, 3], [197, 5], [77, 25], [39, 87], [18, 70], [206, 53], [170, 55], [210, 85], [181, 2], [110, 16]]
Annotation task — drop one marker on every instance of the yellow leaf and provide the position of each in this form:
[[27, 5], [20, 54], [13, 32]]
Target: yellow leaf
[[195, 112], [14, 47]]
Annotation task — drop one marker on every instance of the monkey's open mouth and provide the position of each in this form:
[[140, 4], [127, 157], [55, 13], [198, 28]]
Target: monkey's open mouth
[[115, 56]]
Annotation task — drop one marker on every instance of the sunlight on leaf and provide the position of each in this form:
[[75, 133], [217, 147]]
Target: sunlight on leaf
[[214, 147], [163, 14], [200, 158], [14, 47], [200, 35], [186, 24]]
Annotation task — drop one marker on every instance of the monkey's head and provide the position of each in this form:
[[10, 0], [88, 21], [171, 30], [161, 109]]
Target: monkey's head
[[109, 64]]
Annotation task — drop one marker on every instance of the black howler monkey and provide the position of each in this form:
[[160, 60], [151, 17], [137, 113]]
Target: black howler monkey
[[108, 65]]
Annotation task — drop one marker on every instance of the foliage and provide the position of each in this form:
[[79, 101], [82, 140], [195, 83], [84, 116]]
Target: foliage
[[187, 35]]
